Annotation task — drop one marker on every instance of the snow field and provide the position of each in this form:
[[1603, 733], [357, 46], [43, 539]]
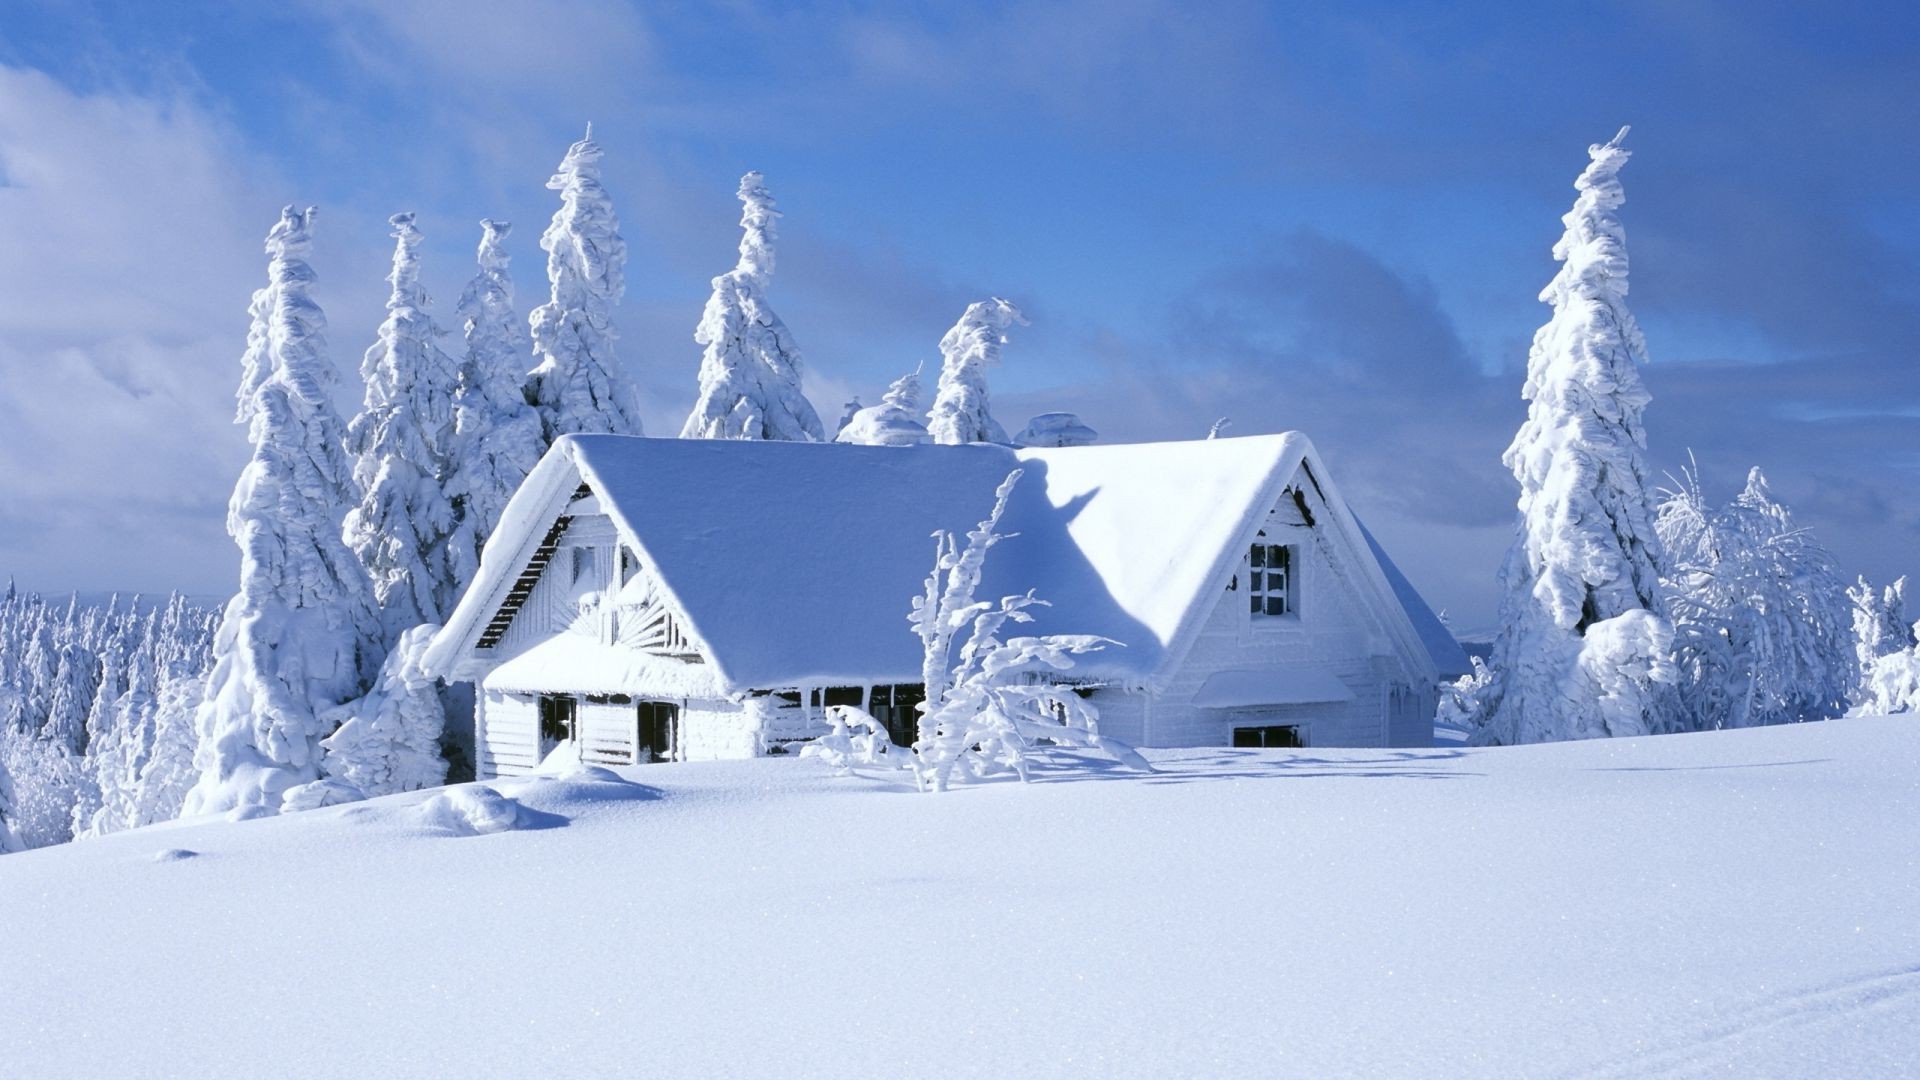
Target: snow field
[[1740, 902]]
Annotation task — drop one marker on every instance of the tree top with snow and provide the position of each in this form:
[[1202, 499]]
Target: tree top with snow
[[960, 408], [750, 371]]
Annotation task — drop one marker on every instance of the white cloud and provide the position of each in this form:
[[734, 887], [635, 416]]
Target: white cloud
[[131, 251]]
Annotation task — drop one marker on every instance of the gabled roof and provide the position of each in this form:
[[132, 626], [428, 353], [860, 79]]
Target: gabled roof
[[797, 563]]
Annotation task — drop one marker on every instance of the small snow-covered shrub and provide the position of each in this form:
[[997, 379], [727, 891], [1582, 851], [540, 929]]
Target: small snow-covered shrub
[[854, 740], [989, 708], [1892, 682]]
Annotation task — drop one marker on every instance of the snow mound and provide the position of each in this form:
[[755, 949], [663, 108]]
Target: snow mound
[[469, 810]]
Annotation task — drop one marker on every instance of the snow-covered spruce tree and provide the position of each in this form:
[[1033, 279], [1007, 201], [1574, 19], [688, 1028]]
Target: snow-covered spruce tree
[[1584, 635], [577, 383], [991, 705], [497, 436], [893, 422], [298, 637], [1762, 627], [750, 372], [389, 741], [960, 413], [402, 443]]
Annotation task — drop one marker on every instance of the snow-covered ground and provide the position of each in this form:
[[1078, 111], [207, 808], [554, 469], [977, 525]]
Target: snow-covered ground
[[1742, 903]]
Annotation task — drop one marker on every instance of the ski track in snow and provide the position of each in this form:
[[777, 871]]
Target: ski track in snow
[[1761, 1030]]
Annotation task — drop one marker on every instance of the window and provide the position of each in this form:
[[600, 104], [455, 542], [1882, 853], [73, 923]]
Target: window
[[556, 720], [1269, 737], [657, 722], [896, 709], [1270, 580], [582, 564], [629, 565]]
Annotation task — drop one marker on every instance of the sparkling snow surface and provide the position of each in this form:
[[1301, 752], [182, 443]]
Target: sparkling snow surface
[[1736, 903]]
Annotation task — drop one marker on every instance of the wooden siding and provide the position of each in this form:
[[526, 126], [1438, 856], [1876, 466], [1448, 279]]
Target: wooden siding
[[608, 732], [507, 735]]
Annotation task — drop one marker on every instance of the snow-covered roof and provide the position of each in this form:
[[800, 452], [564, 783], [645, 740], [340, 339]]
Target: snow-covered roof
[[796, 563], [1442, 647], [1271, 686]]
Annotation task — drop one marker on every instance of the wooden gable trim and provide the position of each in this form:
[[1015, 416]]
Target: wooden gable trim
[[523, 585]]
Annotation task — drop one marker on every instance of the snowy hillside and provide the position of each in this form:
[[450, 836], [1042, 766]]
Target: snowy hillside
[[1741, 903]]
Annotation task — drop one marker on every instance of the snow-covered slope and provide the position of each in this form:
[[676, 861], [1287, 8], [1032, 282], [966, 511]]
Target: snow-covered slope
[[1739, 903]]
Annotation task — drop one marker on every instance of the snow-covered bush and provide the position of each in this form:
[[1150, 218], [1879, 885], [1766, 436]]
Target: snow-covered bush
[[1880, 629], [1762, 626], [960, 411], [1056, 429], [893, 422], [577, 384], [750, 373], [854, 740], [1893, 682], [389, 740], [1462, 704], [402, 442], [296, 640], [497, 437], [1585, 551], [994, 703]]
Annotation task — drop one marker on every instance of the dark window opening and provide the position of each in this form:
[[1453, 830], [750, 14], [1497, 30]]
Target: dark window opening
[[837, 695], [897, 709], [557, 723], [658, 721], [1270, 737]]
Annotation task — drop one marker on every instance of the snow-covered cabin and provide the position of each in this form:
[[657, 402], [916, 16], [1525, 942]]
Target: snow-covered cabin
[[684, 599]]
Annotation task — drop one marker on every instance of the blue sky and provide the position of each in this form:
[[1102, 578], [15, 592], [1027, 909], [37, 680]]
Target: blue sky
[[1327, 217]]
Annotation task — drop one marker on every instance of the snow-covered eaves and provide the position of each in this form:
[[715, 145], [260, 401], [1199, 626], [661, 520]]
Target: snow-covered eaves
[[1271, 686], [796, 563], [577, 664]]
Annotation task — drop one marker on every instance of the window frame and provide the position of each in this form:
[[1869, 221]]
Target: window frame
[[1258, 590]]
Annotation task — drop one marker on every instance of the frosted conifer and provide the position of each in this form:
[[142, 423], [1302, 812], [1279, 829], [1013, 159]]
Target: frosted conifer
[[497, 436], [402, 446], [293, 641], [750, 372], [577, 382], [1584, 638], [960, 413]]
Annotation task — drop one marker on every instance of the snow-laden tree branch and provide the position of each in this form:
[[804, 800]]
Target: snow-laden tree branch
[[750, 373]]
